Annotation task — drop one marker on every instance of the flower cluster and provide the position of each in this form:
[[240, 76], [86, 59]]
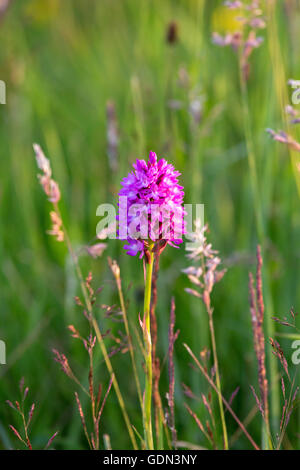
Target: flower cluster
[[50, 186], [245, 39], [51, 189], [294, 118], [154, 206], [284, 138], [207, 273]]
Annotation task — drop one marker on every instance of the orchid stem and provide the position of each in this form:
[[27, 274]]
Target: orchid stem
[[148, 349]]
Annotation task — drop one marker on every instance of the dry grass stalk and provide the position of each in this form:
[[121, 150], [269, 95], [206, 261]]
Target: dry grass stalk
[[213, 385], [172, 338], [26, 418], [51, 189], [257, 317]]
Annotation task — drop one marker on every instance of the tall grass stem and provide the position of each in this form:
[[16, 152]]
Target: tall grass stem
[[218, 381], [148, 349]]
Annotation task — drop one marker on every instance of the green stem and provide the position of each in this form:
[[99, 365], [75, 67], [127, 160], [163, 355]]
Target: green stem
[[148, 349], [218, 381], [288, 335], [251, 159], [131, 349]]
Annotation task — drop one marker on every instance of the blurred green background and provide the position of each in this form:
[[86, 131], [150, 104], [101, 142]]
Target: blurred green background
[[62, 62]]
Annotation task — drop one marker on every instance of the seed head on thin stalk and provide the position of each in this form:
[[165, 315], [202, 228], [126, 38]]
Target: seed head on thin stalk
[[49, 186], [294, 118], [204, 276], [51, 189], [94, 391], [284, 138], [257, 317], [226, 404], [245, 39], [207, 273], [173, 335], [289, 390], [26, 418]]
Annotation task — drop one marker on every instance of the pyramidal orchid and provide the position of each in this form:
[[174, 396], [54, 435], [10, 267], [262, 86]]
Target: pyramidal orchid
[[151, 216], [154, 206]]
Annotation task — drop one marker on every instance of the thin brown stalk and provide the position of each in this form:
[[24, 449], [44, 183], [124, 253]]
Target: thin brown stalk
[[26, 431], [199, 424], [51, 440], [81, 414], [261, 309], [91, 390], [249, 418], [213, 385], [172, 339], [257, 317], [287, 411], [19, 407], [17, 434], [97, 420], [105, 396]]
